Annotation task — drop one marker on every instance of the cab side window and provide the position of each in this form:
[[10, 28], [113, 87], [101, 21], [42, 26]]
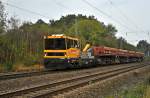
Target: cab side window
[[72, 44], [69, 43], [76, 44]]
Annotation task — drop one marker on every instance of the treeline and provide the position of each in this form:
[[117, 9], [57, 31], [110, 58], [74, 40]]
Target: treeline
[[23, 44], [144, 47]]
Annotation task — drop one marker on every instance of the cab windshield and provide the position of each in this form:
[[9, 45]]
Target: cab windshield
[[55, 44]]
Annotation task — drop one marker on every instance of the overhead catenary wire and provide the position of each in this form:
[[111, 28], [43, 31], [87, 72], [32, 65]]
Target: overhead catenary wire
[[65, 7], [76, 21], [115, 20], [26, 10], [60, 4], [124, 15], [33, 12], [104, 13], [36, 13]]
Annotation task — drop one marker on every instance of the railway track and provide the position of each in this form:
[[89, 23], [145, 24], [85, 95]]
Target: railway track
[[57, 87], [16, 75], [13, 75], [8, 76]]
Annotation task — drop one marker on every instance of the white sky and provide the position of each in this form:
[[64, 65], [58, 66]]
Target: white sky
[[133, 15]]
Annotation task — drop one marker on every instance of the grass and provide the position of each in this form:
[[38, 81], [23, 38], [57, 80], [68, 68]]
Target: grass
[[147, 93], [147, 58], [137, 92], [20, 67], [1, 68], [142, 90]]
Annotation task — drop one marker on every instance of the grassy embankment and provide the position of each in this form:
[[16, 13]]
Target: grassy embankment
[[142, 90], [21, 67], [147, 58]]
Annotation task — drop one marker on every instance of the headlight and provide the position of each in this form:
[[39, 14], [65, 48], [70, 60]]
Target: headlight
[[45, 54]]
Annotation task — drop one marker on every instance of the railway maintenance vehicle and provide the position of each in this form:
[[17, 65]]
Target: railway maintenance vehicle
[[62, 52]]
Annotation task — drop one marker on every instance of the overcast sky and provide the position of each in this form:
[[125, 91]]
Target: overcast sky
[[130, 17]]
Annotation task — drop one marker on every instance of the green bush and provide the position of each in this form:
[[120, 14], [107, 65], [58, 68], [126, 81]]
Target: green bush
[[8, 66]]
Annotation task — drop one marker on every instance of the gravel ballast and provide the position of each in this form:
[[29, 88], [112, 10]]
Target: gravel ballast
[[26, 82], [111, 86]]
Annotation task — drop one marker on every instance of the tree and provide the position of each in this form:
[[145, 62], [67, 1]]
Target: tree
[[40, 21], [95, 32], [24, 43], [144, 46], [111, 29], [88, 28], [2, 18], [123, 44], [13, 23]]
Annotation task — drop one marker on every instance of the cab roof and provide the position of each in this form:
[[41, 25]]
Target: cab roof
[[59, 36]]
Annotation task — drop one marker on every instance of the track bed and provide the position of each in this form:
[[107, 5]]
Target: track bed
[[56, 86]]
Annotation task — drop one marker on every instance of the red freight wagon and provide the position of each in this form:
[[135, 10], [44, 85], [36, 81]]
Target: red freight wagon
[[110, 55], [139, 54], [105, 51], [132, 54], [123, 53]]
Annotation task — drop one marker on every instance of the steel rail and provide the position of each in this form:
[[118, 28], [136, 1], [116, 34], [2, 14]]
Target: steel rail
[[71, 83], [13, 75], [8, 76]]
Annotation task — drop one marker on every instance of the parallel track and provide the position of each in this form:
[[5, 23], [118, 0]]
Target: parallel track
[[54, 88], [8, 76]]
